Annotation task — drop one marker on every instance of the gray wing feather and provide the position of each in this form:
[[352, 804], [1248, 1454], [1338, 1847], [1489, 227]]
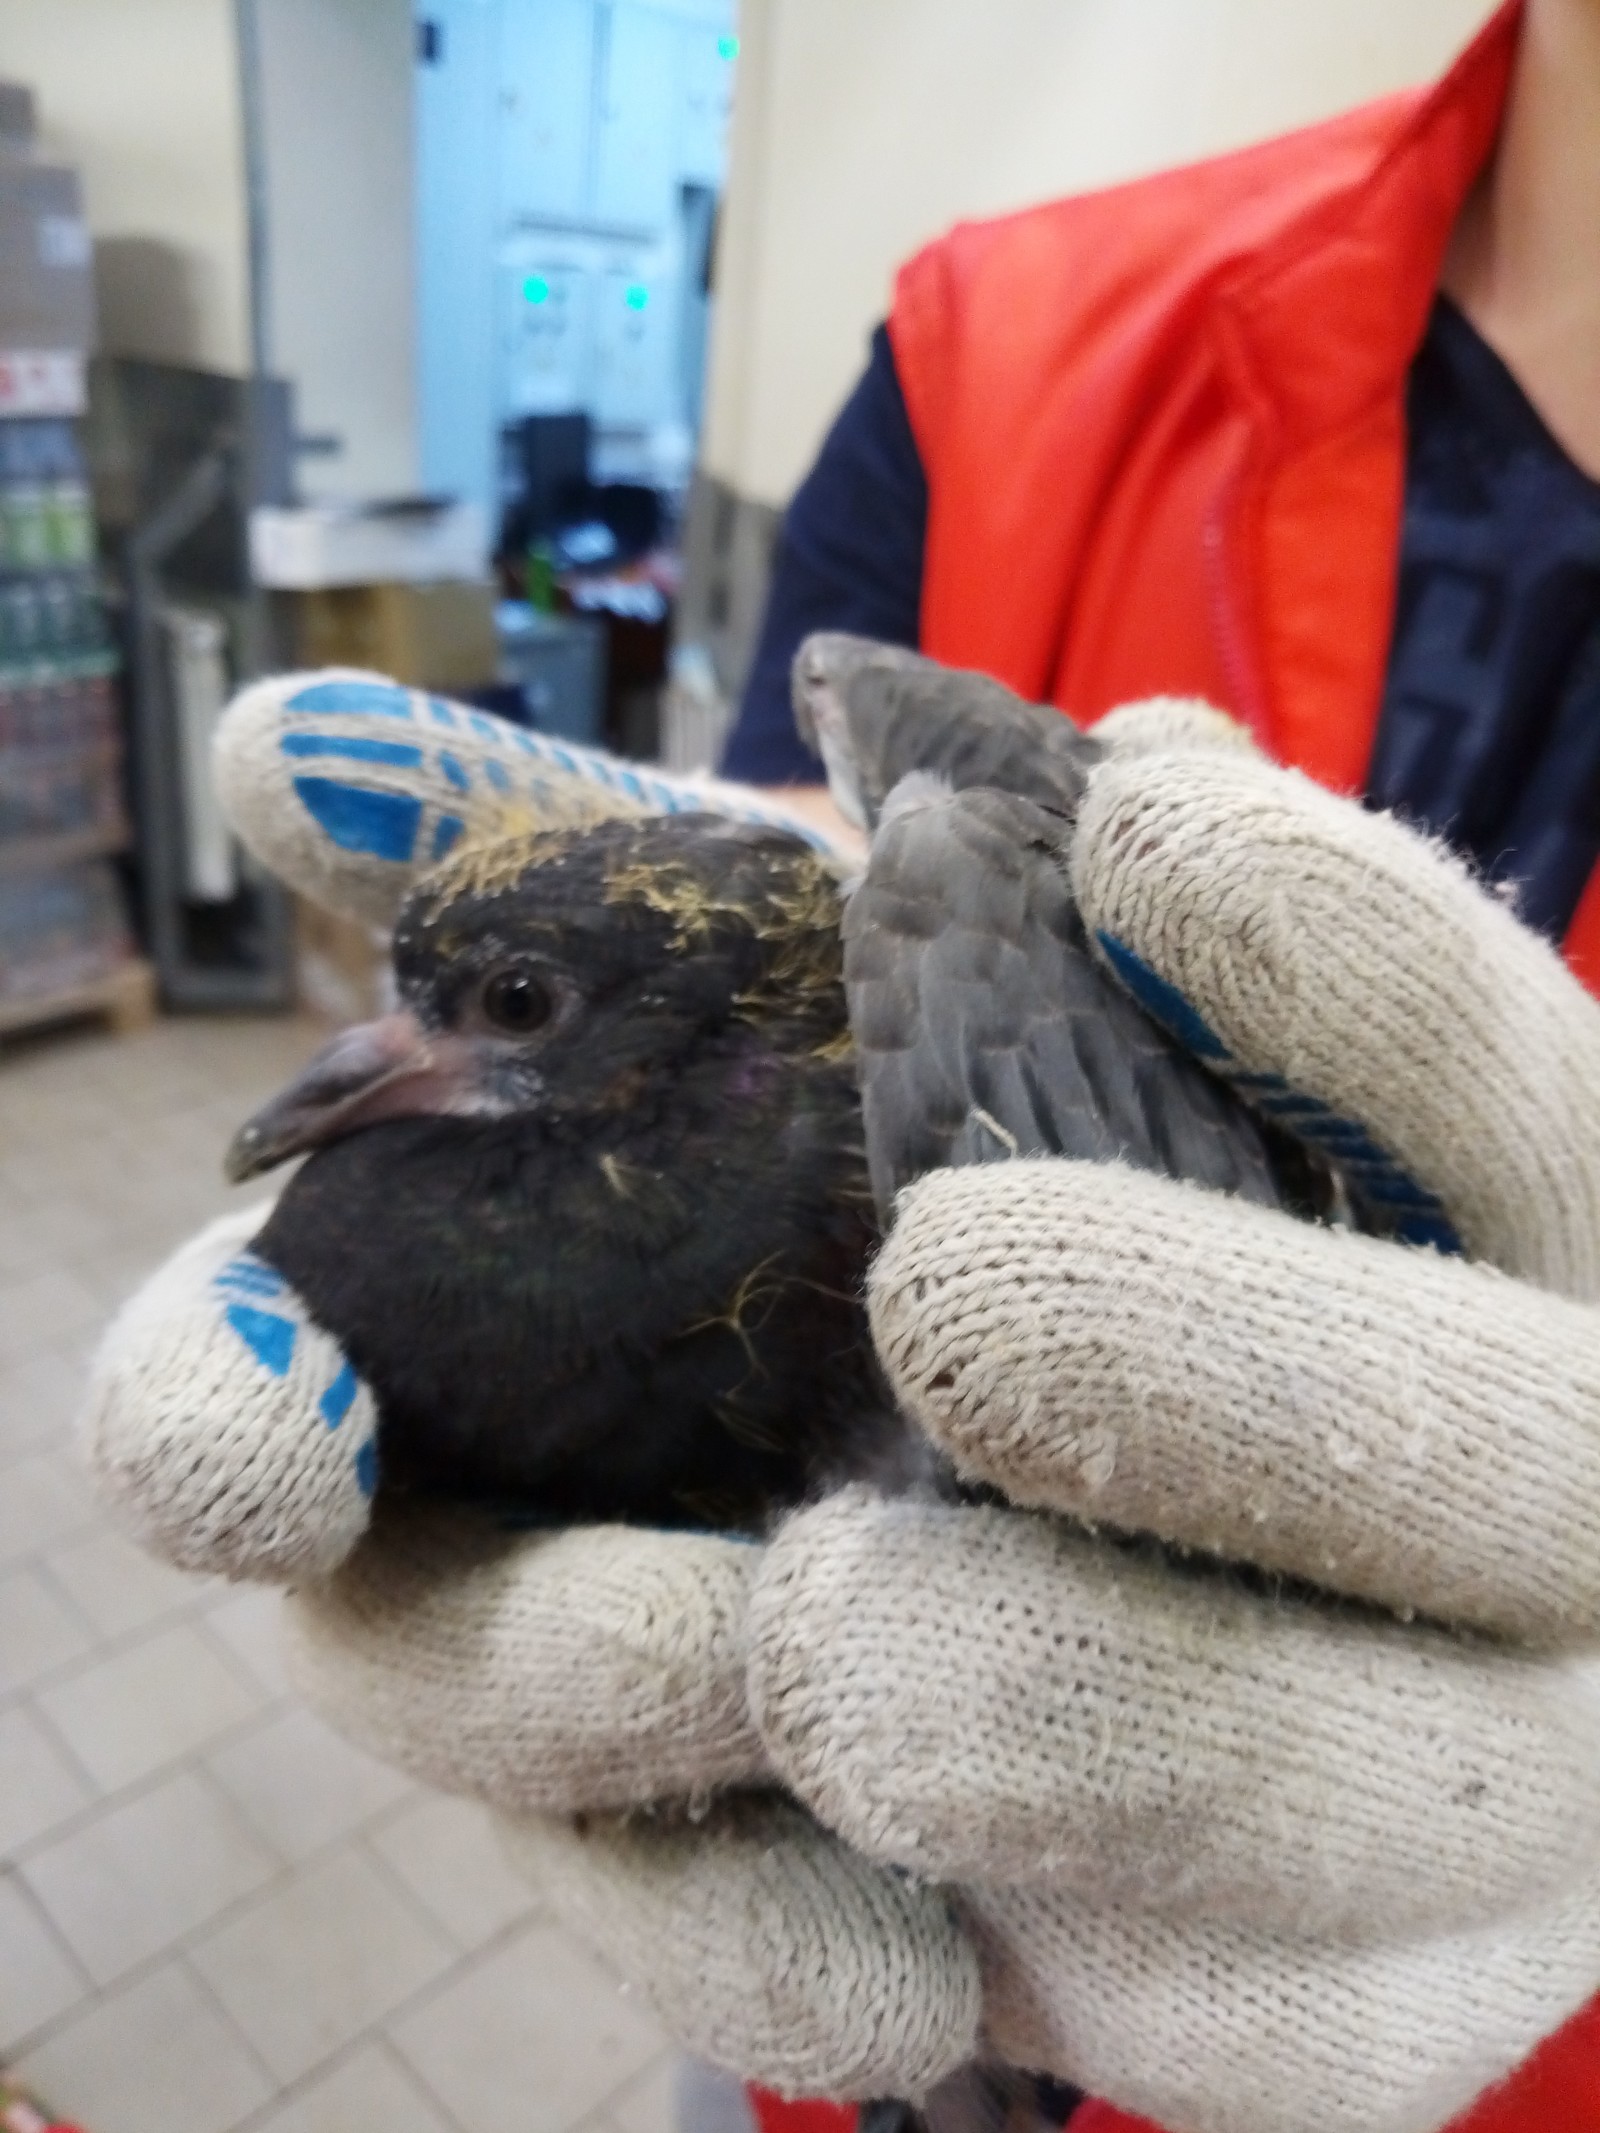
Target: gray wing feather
[[875, 712], [985, 1028]]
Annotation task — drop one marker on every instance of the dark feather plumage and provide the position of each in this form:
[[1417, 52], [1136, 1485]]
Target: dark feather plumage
[[592, 1215], [628, 1287]]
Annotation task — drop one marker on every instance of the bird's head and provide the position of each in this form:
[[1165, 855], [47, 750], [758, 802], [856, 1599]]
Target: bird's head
[[570, 975]]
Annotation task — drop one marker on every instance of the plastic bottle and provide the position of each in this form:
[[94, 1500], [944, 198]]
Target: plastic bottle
[[28, 523], [540, 579], [68, 512], [7, 432]]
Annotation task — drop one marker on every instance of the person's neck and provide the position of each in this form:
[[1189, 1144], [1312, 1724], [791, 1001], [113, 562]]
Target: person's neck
[[1524, 259]]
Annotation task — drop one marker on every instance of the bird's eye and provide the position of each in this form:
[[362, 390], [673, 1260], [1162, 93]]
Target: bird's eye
[[517, 1002]]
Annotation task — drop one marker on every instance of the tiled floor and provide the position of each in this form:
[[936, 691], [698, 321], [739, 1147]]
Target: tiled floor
[[213, 1913]]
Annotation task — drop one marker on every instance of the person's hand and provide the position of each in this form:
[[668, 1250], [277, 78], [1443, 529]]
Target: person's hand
[[1235, 1855], [1238, 1859], [593, 1670], [224, 1424]]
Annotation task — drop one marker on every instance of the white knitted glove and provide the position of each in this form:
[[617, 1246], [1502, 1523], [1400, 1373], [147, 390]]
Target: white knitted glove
[[596, 1669], [1236, 1858], [1244, 1862]]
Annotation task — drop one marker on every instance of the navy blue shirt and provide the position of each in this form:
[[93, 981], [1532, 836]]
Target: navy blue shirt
[[849, 557], [1490, 732], [1490, 729]]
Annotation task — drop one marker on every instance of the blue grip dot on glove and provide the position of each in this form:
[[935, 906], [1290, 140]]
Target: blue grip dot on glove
[[262, 1310], [1384, 1196]]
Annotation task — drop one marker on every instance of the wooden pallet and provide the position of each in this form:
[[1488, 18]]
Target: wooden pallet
[[21, 855], [125, 998]]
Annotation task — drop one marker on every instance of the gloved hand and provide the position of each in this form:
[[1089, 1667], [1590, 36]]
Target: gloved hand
[[588, 1670], [225, 1425], [1228, 1854]]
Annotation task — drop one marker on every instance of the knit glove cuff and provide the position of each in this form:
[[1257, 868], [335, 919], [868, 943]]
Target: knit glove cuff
[[225, 1429]]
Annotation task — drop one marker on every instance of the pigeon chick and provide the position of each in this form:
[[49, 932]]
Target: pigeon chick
[[590, 1213]]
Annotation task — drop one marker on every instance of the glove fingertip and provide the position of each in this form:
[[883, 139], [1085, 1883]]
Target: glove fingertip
[[1353, 979], [767, 1948], [226, 1431], [348, 786], [1158, 725], [329, 780]]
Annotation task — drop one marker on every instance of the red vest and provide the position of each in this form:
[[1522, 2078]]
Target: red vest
[[1163, 429]]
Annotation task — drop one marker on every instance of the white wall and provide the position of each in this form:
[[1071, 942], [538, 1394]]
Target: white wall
[[456, 199], [864, 127], [142, 96], [336, 88]]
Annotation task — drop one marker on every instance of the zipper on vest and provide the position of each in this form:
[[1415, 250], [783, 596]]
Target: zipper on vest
[[1234, 649]]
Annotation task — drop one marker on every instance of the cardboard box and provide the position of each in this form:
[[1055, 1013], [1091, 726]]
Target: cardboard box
[[46, 260], [428, 636]]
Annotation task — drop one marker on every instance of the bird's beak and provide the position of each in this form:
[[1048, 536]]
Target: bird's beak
[[386, 1069]]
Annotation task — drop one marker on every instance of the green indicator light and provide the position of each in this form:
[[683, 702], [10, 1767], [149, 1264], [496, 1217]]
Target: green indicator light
[[536, 289], [637, 297], [727, 47]]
